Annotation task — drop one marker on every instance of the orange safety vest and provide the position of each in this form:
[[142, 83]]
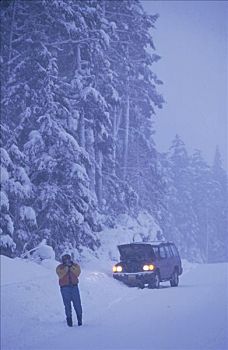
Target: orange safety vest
[[68, 275]]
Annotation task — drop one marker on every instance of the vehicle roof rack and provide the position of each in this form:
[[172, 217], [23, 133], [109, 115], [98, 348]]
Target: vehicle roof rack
[[152, 242]]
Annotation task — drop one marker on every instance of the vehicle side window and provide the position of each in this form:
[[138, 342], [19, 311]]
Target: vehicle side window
[[162, 252], [174, 249], [156, 252], [167, 251], [171, 253]]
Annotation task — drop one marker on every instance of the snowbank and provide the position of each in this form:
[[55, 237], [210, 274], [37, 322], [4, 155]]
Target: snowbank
[[18, 270], [114, 316], [127, 230]]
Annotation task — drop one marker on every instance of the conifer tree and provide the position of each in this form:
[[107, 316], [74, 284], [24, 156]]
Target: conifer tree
[[77, 82], [219, 210], [180, 202], [201, 189]]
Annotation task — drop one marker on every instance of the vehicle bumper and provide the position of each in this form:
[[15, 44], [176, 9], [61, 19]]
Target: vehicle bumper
[[135, 279]]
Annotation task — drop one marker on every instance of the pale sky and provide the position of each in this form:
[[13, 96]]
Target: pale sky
[[191, 37]]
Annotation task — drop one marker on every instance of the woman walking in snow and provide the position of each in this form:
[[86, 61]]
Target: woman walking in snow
[[68, 273]]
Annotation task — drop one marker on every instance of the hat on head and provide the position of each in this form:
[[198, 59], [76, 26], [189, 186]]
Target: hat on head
[[66, 257]]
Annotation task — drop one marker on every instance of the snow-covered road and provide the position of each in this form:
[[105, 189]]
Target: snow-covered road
[[191, 316]]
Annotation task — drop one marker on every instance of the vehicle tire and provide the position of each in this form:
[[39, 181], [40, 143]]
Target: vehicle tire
[[156, 282], [174, 281]]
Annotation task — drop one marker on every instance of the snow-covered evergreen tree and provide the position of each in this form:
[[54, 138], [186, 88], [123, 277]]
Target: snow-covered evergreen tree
[[18, 221], [201, 190], [194, 211], [134, 87], [57, 164], [181, 224], [7, 243], [14, 116], [76, 82], [219, 211]]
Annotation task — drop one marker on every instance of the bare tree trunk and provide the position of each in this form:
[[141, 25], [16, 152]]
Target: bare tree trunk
[[90, 149], [98, 174], [115, 130], [78, 57], [103, 7], [137, 164], [126, 122], [82, 129], [114, 141], [82, 117], [11, 34], [126, 136]]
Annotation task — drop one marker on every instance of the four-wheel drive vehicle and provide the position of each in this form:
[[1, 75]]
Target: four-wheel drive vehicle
[[148, 263]]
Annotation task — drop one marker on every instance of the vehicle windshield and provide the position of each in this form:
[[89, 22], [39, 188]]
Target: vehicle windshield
[[135, 252]]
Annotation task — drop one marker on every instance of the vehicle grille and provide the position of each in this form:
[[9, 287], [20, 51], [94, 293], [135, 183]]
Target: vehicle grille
[[132, 266]]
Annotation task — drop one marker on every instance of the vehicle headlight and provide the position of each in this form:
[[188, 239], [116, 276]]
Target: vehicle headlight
[[148, 267], [117, 269]]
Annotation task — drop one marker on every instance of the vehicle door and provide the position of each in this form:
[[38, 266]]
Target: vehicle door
[[176, 257], [163, 266], [156, 256], [170, 260]]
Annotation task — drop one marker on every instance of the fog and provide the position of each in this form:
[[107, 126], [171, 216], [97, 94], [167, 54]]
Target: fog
[[80, 104], [191, 37]]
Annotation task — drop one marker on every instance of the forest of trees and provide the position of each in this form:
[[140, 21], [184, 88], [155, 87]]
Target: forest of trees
[[78, 103]]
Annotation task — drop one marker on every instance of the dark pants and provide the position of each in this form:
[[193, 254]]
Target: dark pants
[[71, 294]]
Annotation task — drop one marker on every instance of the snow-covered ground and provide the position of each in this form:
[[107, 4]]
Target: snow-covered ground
[[191, 316]]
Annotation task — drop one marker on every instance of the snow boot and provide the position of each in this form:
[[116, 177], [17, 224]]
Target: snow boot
[[69, 322]]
